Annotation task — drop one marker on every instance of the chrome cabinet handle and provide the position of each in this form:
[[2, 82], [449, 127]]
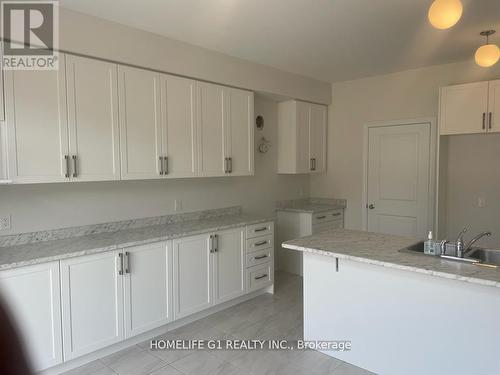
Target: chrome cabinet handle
[[66, 158], [260, 257], [211, 244], [261, 243], [260, 277], [75, 172], [489, 120], [311, 164], [314, 164], [484, 120], [165, 166], [216, 243], [225, 165], [127, 262], [230, 165], [260, 229], [160, 159], [120, 263]]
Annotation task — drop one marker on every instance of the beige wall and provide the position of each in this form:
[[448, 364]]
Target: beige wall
[[404, 95], [80, 33], [45, 206]]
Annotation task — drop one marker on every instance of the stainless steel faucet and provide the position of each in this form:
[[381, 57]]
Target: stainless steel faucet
[[460, 244], [468, 247], [461, 249]]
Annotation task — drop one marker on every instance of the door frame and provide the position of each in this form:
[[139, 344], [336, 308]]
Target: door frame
[[431, 212]]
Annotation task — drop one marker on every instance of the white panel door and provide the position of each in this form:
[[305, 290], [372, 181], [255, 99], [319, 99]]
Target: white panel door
[[148, 287], [140, 123], [239, 131], [303, 156], [494, 106], [93, 119], [179, 130], [33, 296], [464, 108], [192, 271], [210, 130], [317, 137], [92, 303], [229, 264], [398, 179], [37, 126]]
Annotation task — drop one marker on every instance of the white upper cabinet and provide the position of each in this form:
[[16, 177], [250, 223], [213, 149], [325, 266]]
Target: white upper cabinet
[[238, 130], [211, 142], [92, 302], [192, 271], [229, 264], [37, 130], [33, 296], [317, 138], [301, 137], [147, 287], [93, 119], [494, 106], [179, 148], [470, 108], [140, 123]]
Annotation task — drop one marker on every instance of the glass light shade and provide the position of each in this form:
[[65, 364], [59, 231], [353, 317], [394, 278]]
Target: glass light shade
[[443, 14], [487, 55]]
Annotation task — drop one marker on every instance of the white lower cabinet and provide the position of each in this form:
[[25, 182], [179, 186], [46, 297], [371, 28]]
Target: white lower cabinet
[[33, 295], [229, 264], [192, 275], [147, 287], [92, 302]]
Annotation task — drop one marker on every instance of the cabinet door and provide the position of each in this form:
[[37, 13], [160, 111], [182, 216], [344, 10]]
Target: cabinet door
[[147, 290], [210, 130], [494, 106], [192, 271], [303, 156], [92, 303], [37, 124], [229, 264], [33, 297], [140, 123], [93, 119], [239, 131], [179, 133], [317, 137], [464, 108]]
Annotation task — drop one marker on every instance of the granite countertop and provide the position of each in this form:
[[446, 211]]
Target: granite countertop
[[52, 250], [383, 250], [311, 205]]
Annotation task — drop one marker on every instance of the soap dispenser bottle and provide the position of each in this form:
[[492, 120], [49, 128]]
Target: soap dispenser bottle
[[429, 245]]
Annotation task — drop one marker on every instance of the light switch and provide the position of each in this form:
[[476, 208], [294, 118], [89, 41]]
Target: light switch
[[481, 202]]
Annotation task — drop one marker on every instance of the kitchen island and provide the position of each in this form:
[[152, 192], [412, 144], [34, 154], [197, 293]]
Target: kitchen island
[[402, 313]]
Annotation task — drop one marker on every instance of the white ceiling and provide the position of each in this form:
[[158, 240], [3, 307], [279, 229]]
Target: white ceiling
[[331, 40]]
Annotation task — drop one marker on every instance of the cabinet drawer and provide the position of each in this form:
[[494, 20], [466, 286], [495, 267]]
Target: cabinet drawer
[[321, 227], [259, 257], [259, 276], [258, 230], [259, 243], [324, 217]]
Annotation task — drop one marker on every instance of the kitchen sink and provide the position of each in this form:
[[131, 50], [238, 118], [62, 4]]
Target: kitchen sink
[[487, 256]]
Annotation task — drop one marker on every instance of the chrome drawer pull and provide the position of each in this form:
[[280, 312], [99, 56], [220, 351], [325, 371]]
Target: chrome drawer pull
[[320, 217], [260, 229], [336, 214], [260, 257], [261, 243], [260, 277]]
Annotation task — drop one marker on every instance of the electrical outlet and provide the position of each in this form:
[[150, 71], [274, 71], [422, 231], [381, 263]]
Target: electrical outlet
[[178, 205], [481, 202], [5, 223]]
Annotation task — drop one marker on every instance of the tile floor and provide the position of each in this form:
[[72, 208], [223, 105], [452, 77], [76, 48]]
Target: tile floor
[[265, 317]]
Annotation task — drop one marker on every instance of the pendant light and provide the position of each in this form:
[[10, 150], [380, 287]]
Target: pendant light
[[489, 54], [443, 14]]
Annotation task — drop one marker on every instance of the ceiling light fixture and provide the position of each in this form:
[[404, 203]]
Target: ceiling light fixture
[[489, 54], [443, 14]]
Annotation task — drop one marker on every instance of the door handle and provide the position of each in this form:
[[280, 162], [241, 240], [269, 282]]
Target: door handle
[[66, 159], [127, 262], [484, 120], [75, 172], [371, 206], [160, 160], [120, 264]]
